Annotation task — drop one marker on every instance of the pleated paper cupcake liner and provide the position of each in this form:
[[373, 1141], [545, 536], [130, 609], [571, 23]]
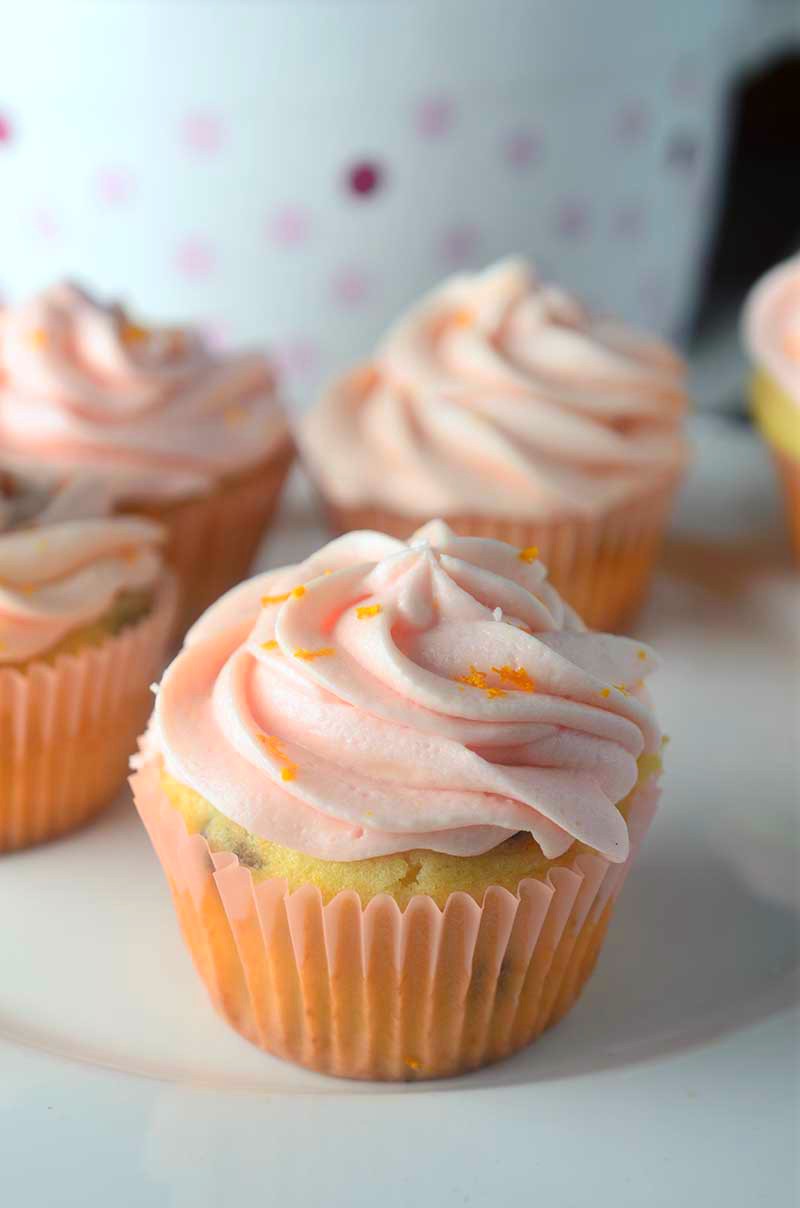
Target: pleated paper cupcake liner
[[601, 565], [789, 473], [212, 540], [67, 729], [376, 992]]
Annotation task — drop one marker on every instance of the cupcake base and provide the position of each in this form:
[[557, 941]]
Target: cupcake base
[[788, 468], [68, 728], [376, 993], [601, 565], [212, 540]]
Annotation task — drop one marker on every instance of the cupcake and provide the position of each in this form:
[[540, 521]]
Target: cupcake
[[772, 334], [395, 791], [86, 608], [503, 405], [194, 440]]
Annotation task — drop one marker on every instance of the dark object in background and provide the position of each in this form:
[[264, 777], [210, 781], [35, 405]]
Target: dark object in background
[[759, 219]]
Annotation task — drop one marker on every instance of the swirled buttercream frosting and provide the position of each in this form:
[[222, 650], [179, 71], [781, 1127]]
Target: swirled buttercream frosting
[[383, 696]]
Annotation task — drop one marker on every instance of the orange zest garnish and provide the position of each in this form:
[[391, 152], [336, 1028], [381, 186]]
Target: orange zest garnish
[[529, 554], [605, 692], [297, 592], [642, 654], [270, 645], [412, 1063], [368, 610], [133, 333], [39, 337], [621, 688], [477, 679], [462, 318], [308, 655], [517, 677], [234, 414], [273, 747]]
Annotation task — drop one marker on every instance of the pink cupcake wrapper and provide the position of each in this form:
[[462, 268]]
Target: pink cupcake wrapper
[[376, 992], [68, 728]]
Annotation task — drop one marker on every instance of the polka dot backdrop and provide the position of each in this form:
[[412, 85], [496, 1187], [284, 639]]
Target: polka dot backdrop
[[297, 174]]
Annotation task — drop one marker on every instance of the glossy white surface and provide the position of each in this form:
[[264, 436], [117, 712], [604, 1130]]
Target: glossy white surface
[[673, 1082]]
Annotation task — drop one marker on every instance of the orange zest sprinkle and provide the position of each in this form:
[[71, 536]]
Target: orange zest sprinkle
[[133, 333], [529, 554], [621, 688], [463, 317], [270, 645], [234, 414], [368, 610], [477, 679], [273, 747], [327, 572], [39, 337], [605, 692], [297, 592], [517, 677], [642, 654], [308, 655], [412, 1063]]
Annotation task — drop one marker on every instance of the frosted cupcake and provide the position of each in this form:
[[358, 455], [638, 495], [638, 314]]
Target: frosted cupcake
[[195, 440], [395, 790], [772, 334], [85, 611], [503, 405]]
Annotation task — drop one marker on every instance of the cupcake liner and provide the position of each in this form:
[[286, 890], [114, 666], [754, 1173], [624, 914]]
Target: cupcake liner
[[212, 540], [601, 565], [376, 992], [67, 729], [788, 468]]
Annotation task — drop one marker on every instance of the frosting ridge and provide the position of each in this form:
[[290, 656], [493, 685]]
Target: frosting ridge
[[384, 696]]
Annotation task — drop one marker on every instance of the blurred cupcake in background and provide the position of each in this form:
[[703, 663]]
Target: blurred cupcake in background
[[86, 608], [192, 439], [772, 334], [501, 404]]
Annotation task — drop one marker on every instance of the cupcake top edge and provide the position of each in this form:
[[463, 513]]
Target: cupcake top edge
[[502, 394], [82, 383], [384, 696], [64, 559], [771, 325]]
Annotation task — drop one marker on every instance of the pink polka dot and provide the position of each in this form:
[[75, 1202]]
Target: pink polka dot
[[364, 178], [686, 80], [653, 295], [289, 226], [195, 258], [202, 132], [6, 130], [434, 116], [46, 225], [350, 286], [114, 186], [628, 220], [632, 123], [297, 357], [523, 148], [216, 333], [572, 219], [459, 244]]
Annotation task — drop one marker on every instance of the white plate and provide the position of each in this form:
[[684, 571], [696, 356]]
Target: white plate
[[118, 1084]]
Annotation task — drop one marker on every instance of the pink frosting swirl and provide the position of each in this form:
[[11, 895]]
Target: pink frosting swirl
[[383, 696], [81, 383], [772, 325], [61, 565], [500, 394]]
